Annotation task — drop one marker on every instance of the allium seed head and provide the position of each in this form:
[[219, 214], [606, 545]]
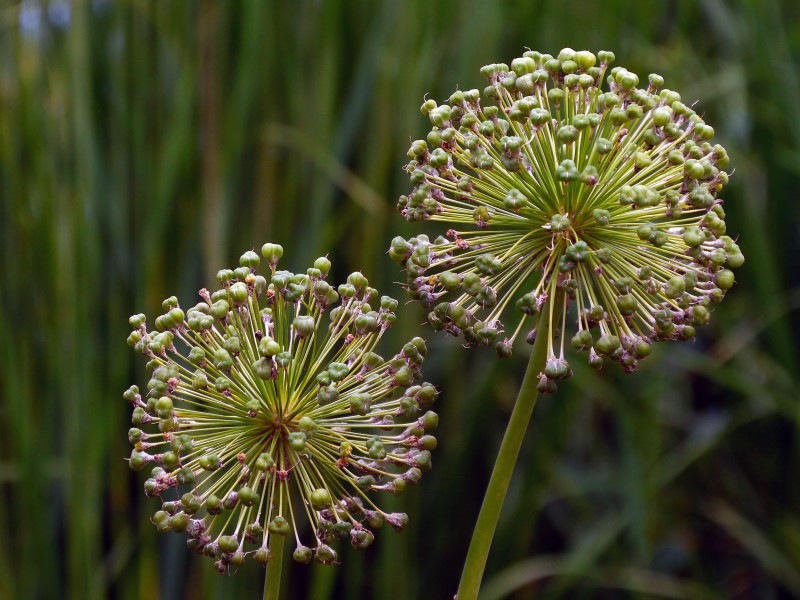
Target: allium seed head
[[551, 187], [268, 404]]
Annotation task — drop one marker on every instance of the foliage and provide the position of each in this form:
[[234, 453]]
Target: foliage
[[143, 144]]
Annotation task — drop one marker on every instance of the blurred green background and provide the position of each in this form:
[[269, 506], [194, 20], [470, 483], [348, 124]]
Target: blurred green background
[[145, 144]]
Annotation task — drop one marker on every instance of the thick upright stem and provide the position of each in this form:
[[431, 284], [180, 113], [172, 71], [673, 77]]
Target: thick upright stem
[[507, 456], [272, 585]]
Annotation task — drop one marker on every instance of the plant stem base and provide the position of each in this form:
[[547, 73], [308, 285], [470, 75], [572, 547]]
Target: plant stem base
[[513, 438]]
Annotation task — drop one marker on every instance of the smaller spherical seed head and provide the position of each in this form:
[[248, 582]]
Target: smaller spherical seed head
[[556, 189], [267, 401]]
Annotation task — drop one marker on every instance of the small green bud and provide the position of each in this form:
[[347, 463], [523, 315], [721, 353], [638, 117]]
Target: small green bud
[[559, 223], [264, 462], [249, 259], [326, 555], [273, 253], [279, 526], [303, 554], [675, 287], [222, 359], [693, 236], [138, 460], [247, 496], [268, 347], [320, 498], [724, 279], [179, 521], [360, 403], [297, 440], [607, 344], [228, 543], [430, 420], [567, 134], [213, 505]]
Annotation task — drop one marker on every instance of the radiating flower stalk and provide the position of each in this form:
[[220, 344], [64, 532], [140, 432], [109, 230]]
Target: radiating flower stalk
[[596, 213], [268, 406]]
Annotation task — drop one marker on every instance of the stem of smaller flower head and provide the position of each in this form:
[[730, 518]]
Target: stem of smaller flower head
[[272, 585], [489, 515]]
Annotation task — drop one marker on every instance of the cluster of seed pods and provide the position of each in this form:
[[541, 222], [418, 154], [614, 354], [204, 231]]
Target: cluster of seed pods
[[549, 187], [268, 406]]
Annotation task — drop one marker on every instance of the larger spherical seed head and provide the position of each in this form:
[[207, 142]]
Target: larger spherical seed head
[[568, 180]]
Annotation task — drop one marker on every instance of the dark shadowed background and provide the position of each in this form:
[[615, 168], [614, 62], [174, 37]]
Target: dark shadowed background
[[145, 144]]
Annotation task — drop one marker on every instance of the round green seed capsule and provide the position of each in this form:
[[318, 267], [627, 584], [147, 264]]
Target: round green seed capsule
[[179, 521], [297, 440], [279, 526], [272, 252], [427, 442], [169, 460], [724, 279], [626, 304], [247, 496], [693, 236], [303, 554], [642, 349], [585, 59], [228, 543], [320, 499], [607, 344], [264, 462], [138, 460], [675, 287]]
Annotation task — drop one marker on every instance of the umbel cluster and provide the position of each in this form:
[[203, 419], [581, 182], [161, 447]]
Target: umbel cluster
[[566, 181], [268, 406]]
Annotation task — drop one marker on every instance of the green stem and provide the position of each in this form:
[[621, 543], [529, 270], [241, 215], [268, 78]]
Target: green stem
[[478, 552], [272, 585]]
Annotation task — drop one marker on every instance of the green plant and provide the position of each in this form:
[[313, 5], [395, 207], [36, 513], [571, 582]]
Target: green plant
[[559, 194], [259, 411]]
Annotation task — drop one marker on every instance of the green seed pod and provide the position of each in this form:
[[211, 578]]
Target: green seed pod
[[279, 526], [297, 440], [724, 279], [325, 554], [247, 496], [267, 347], [264, 462], [308, 425], [228, 543], [138, 460], [238, 292], [213, 505], [700, 315], [179, 522], [607, 344], [626, 304], [222, 384], [320, 499], [559, 222], [338, 371], [361, 538], [169, 460], [360, 403], [272, 253], [693, 236], [427, 442], [209, 462], [675, 287], [430, 420], [222, 359], [303, 554]]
